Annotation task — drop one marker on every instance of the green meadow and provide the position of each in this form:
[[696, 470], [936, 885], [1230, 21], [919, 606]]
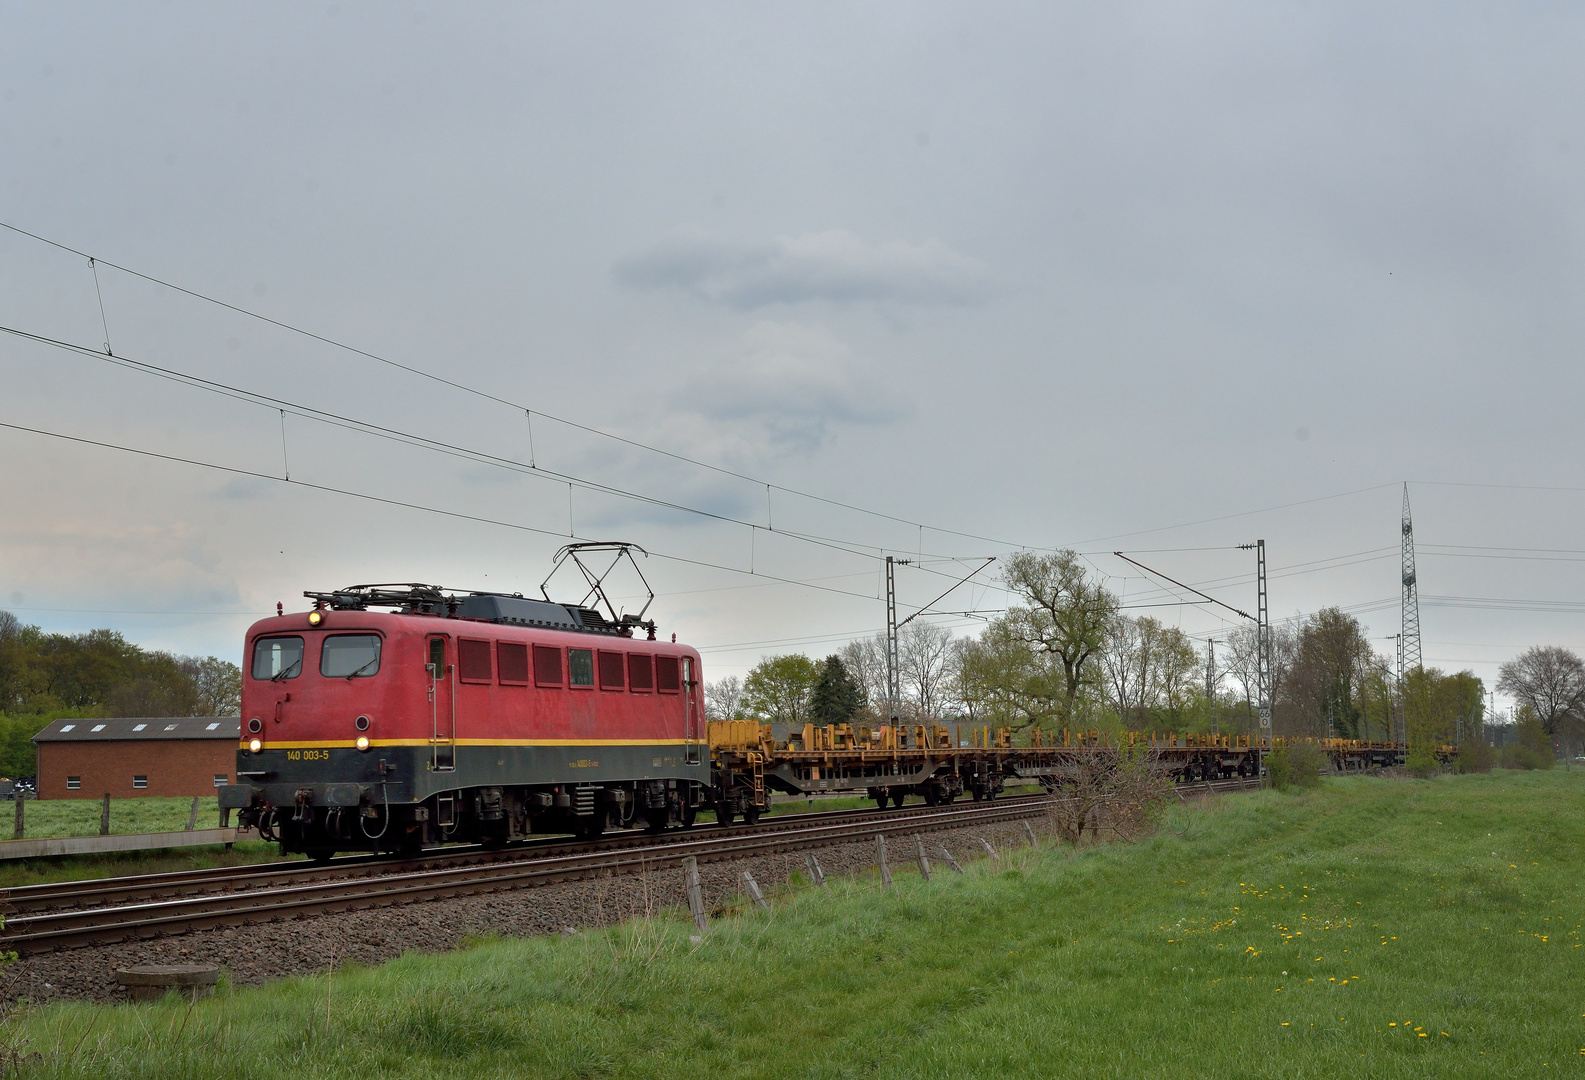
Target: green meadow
[[1370, 928]]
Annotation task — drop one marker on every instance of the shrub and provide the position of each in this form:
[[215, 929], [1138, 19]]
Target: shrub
[[1475, 757], [1523, 757], [1421, 761], [1297, 764]]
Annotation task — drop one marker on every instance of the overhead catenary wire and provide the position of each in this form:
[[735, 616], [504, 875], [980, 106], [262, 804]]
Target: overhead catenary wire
[[349, 423], [498, 399], [402, 503]]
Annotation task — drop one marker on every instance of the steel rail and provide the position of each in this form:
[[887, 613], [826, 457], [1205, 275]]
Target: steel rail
[[109, 925], [102, 891]]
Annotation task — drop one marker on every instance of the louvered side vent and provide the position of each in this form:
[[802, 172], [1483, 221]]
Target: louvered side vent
[[473, 660], [547, 666], [511, 663], [612, 671], [640, 673], [666, 679]]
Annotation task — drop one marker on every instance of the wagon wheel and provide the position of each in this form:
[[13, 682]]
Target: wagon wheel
[[898, 797]]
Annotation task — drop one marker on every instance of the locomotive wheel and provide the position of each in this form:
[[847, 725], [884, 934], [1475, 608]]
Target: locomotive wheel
[[688, 815], [723, 815]]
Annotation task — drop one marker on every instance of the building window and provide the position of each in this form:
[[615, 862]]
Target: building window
[[220, 779], [140, 781], [73, 783]]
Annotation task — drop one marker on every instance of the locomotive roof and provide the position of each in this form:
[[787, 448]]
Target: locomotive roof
[[512, 610], [141, 729]]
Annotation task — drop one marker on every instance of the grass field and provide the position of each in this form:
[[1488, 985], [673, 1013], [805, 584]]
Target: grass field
[[1373, 928]]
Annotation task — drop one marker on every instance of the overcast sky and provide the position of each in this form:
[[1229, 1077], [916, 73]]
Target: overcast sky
[[1105, 276]]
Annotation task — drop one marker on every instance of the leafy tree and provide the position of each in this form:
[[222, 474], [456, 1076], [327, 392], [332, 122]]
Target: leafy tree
[[998, 680], [779, 688], [1064, 614], [1322, 689], [1549, 681], [923, 651], [836, 697]]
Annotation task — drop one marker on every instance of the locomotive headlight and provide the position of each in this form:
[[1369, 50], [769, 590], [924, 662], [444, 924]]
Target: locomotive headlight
[[363, 744], [255, 745], [316, 617]]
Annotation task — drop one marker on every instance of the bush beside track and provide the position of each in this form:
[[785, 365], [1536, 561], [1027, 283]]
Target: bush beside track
[[1380, 899]]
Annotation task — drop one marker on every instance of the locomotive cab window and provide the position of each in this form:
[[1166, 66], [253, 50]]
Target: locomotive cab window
[[580, 667], [348, 656], [277, 658]]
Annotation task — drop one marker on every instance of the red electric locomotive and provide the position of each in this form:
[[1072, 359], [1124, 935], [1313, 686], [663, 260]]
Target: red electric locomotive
[[462, 717]]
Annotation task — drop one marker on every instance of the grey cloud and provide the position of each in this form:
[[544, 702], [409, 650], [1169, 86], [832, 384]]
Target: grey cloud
[[833, 265], [793, 385]]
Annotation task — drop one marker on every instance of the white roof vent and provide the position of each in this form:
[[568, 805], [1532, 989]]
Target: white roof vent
[[98, 727], [66, 727], [139, 727]]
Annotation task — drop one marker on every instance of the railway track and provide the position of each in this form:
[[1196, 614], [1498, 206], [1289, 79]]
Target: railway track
[[119, 910], [57, 896]]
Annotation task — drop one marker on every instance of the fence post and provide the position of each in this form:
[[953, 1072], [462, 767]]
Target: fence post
[[192, 815], [695, 894], [104, 817], [880, 854], [1030, 829], [989, 850], [753, 890], [924, 863], [815, 871], [20, 826], [947, 855]]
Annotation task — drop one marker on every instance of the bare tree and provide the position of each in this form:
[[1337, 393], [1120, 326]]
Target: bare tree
[[1125, 660], [1065, 616], [865, 660], [723, 699], [922, 653], [1550, 680]]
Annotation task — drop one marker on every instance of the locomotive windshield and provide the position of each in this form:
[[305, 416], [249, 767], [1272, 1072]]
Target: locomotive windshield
[[347, 656], [278, 658]]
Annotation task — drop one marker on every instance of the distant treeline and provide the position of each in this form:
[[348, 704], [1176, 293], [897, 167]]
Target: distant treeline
[[99, 673]]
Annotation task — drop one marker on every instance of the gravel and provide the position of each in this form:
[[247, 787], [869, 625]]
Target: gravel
[[276, 949]]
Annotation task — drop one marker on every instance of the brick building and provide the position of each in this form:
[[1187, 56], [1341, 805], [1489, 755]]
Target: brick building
[[137, 756]]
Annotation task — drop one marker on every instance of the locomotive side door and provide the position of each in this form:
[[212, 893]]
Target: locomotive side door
[[442, 704], [690, 733]]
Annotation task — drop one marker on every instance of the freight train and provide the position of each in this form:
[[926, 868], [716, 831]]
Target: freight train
[[391, 718]]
